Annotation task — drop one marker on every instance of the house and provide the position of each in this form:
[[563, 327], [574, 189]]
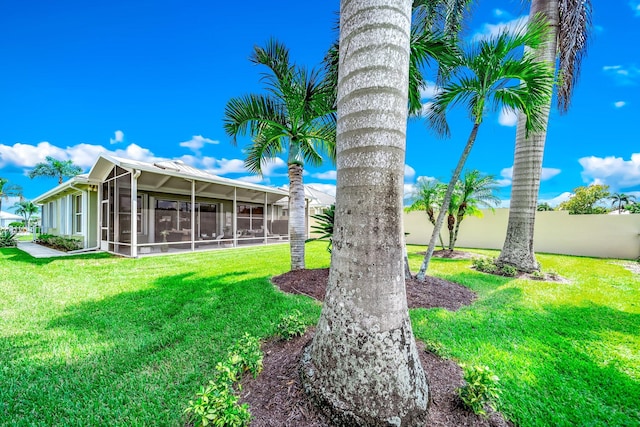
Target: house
[[7, 218], [133, 208]]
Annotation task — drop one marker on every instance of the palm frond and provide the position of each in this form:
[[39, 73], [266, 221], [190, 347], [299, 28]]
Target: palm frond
[[250, 113]]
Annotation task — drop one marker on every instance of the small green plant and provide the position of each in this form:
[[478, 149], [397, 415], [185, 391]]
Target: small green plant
[[291, 325], [480, 388], [324, 225], [508, 270], [246, 356], [216, 404], [486, 265], [58, 242], [8, 239], [433, 347], [536, 275]]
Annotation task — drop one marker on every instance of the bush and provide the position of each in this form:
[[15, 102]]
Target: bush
[[16, 224], [65, 244], [480, 388], [486, 265], [8, 239], [291, 325], [217, 403], [508, 270]]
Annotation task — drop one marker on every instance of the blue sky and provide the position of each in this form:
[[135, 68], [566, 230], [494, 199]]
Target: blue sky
[[149, 80]]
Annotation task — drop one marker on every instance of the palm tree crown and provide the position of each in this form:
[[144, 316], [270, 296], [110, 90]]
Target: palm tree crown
[[621, 200], [55, 168], [296, 116], [8, 190]]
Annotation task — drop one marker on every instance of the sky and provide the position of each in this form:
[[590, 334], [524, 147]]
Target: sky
[[149, 80]]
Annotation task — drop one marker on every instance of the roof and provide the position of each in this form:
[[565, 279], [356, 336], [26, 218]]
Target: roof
[[315, 197], [169, 169], [7, 215]]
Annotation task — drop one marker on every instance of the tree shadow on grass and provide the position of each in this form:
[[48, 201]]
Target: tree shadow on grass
[[136, 358]]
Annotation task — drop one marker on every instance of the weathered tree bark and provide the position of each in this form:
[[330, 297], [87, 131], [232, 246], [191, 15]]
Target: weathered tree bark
[[297, 226], [517, 250], [362, 366]]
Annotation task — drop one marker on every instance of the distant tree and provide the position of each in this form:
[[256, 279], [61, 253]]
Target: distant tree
[[55, 168], [634, 208], [26, 209], [622, 200], [494, 73], [8, 190], [584, 200], [544, 206], [296, 116], [427, 196], [475, 190]]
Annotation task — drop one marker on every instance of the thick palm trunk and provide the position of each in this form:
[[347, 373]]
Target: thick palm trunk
[[527, 166], [362, 366], [445, 203], [297, 226]]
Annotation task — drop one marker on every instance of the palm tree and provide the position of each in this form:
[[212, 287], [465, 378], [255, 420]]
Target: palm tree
[[8, 190], [475, 191], [324, 224], [296, 117], [362, 365], [55, 168], [569, 25], [427, 197], [492, 75], [26, 208], [621, 200]]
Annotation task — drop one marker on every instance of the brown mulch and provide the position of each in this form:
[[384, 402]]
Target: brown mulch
[[452, 254], [276, 397], [432, 293]]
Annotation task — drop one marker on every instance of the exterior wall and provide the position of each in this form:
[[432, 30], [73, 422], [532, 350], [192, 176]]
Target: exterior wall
[[557, 232], [58, 218]]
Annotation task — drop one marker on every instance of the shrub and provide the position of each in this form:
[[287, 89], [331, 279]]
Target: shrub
[[536, 275], [480, 388], [8, 239], [486, 265], [16, 224], [246, 356], [508, 270], [58, 242], [216, 404], [291, 325]]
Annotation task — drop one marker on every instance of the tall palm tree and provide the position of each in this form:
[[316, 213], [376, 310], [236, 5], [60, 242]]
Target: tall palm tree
[[8, 190], [26, 209], [427, 197], [492, 75], [55, 168], [569, 26], [295, 116], [362, 364], [476, 190], [621, 200]]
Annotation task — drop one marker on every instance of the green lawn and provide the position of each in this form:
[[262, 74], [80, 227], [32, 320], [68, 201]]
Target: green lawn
[[100, 340]]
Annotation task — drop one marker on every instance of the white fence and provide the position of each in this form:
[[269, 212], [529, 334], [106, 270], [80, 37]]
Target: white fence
[[557, 232]]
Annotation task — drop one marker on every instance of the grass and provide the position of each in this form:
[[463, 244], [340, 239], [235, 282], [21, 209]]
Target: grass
[[100, 340]]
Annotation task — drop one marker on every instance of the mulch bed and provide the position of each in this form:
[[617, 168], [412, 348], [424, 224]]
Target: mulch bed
[[276, 397]]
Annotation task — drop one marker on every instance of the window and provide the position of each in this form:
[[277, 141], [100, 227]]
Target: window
[[250, 218], [77, 213]]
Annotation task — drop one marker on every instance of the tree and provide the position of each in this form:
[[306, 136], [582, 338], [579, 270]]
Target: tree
[[26, 209], [584, 199], [569, 25], [296, 117], [634, 207], [544, 206], [362, 364], [324, 224], [427, 197], [621, 200], [55, 168], [490, 75], [475, 190], [8, 190]]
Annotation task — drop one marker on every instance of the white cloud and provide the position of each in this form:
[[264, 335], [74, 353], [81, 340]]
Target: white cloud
[[409, 172], [325, 188], [270, 166], [623, 75], [499, 13], [635, 6], [555, 201], [197, 142], [118, 137], [224, 166], [619, 104], [26, 155], [325, 175], [507, 175], [491, 30], [508, 117], [255, 179], [613, 171], [430, 90]]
